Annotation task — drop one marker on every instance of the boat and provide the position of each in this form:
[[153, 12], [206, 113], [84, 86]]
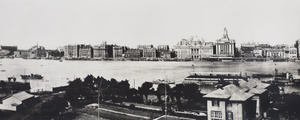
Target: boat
[[214, 77], [32, 76], [12, 78], [2, 70]]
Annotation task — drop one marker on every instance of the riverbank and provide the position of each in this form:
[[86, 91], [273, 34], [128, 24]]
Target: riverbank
[[211, 59]]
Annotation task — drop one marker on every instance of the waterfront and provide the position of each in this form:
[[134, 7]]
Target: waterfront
[[59, 73]]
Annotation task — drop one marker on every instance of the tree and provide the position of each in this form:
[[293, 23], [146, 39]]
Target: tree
[[51, 108], [162, 89], [75, 91], [178, 93], [88, 81], [132, 95], [145, 89], [190, 91]]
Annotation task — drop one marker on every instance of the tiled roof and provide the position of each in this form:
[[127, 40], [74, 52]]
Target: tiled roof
[[257, 90], [219, 93], [240, 92], [22, 96], [231, 92]]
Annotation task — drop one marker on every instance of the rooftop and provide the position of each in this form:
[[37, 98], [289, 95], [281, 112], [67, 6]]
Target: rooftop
[[22, 96], [240, 92]]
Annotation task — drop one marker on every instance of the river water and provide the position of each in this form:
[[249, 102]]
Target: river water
[[59, 73]]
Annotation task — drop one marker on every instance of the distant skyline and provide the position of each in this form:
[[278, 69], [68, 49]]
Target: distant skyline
[[54, 23]]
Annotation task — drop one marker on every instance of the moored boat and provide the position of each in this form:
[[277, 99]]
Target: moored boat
[[214, 77], [32, 76]]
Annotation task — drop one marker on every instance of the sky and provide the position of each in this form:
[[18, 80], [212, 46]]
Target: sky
[[54, 23]]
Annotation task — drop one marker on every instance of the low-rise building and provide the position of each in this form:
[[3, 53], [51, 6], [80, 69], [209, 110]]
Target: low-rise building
[[275, 53], [258, 53], [239, 101], [17, 101], [25, 53], [8, 50]]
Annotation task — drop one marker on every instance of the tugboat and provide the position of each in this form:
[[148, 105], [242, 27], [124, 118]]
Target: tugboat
[[32, 76]]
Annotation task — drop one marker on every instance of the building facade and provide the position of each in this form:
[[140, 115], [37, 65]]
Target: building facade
[[100, 51], [133, 53], [117, 51], [85, 51], [71, 51], [206, 50], [297, 45], [239, 101], [225, 47], [292, 53], [247, 50], [163, 51], [275, 53]]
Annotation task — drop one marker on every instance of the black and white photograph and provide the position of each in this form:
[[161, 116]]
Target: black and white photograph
[[149, 60]]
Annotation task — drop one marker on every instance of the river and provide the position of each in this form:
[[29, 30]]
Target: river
[[59, 73]]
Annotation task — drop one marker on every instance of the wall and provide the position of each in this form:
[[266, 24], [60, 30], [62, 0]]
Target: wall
[[221, 107]]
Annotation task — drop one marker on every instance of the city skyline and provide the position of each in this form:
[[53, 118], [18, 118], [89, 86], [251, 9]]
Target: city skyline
[[57, 23]]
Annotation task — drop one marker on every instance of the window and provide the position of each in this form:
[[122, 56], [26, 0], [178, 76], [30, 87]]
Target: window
[[229, 105], [215, 103], [229, 115], [216, 115]]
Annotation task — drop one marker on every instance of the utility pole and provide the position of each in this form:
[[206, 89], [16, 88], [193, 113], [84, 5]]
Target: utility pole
[[166, 98], [193, 67], [99, 88]]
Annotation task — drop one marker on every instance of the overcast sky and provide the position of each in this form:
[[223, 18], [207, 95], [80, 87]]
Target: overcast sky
[[54, 23]]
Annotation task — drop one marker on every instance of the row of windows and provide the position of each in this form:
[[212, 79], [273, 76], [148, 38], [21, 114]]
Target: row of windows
[[217, 115]]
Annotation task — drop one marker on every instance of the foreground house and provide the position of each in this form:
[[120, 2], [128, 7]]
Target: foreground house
[[239, 101], [17, 101]]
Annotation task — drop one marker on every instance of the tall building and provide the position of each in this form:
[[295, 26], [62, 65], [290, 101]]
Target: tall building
[[133, 53], [292, 53], [206, 50], [225, 47], [148, 51], [297, 45], [247, 50], [117, 51], [163, 51], [189, 48], [37, 51], [70, 51], [85, 51], [100, 51]]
